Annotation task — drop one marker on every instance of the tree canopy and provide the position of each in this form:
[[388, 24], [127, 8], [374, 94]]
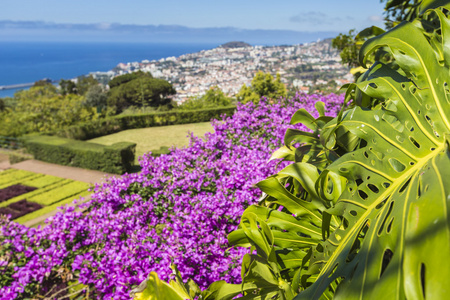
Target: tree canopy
[[263, 85], [141, 91], [122, 79], [214, 97], [42, 109]]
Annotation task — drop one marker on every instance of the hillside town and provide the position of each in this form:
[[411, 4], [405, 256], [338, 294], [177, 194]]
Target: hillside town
[[302, 67]]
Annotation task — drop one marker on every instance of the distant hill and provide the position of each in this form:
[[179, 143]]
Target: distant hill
[[235, 45], [115, 32]]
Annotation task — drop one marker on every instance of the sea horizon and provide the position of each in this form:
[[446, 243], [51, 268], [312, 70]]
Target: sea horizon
[[28, 62]]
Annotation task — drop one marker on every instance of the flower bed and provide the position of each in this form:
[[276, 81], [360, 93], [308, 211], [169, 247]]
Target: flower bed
[[180, 208], [14, 191], [19, 208]]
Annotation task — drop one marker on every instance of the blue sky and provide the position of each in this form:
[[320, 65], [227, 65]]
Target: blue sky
[[298, 15]]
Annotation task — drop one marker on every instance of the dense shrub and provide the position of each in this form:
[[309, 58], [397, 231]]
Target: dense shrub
[[117, 158], [101, 127], [179, 208]]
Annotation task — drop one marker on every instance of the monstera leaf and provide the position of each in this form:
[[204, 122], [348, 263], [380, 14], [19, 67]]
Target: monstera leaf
[[393, 241]]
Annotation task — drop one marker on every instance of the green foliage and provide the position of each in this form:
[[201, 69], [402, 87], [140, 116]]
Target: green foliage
[[42, 109], [213, 98], [60, 193], [84, 83], [362, 213], [96, 96], [119, 80], [263, 85], [67, 87], [142, 91], [42, 82], [350, 44], [117, 158], [101, 127]]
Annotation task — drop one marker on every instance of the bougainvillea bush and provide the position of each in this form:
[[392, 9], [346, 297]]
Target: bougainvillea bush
[[179, 208]]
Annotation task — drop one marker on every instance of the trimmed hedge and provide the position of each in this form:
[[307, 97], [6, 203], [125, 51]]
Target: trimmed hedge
[[102, 127], [117, 158]]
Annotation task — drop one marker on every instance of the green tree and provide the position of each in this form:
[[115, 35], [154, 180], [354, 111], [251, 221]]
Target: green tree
[[84, 83], [122, 79], [214, 97], [263, 85], [43, 109], [43, 82], [141, 92], [97, 97], [67, 87]]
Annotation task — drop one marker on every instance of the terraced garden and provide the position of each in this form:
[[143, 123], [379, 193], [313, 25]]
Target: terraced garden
[[27, 195]]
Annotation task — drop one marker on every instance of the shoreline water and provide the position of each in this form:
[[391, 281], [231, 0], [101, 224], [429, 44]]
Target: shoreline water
[[24, 62]]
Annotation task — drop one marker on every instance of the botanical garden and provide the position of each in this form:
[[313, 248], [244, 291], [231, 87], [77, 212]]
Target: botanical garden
[[305, 197]]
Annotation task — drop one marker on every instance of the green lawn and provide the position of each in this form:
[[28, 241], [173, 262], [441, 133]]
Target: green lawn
[[153, 138]]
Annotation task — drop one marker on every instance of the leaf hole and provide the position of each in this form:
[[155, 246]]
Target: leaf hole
[[403, 86], [436, 134], [404, 186], [301, 234], [373, 188], [386, 184], [415, 143], [412, 129], [319, 248], [353, 213], [396, 164], [419, 189], [366, 155], [373, 85], [389, 227], [387, 256], [343, 170], [359, 181], [377, 118], [418, 112], [314, 225], [402, 52], [380, 230], [345, 223], [356, 244], [422, 278], [432, 149], [381, 204], [411, 163], [363, 195], [368, 177]]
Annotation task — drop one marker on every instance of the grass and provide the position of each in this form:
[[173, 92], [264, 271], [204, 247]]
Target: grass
[[148, 139]]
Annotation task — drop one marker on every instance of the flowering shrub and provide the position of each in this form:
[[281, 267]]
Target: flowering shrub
[[179, 208]]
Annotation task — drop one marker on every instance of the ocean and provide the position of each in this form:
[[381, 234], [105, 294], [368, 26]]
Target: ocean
[[26, 62]]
